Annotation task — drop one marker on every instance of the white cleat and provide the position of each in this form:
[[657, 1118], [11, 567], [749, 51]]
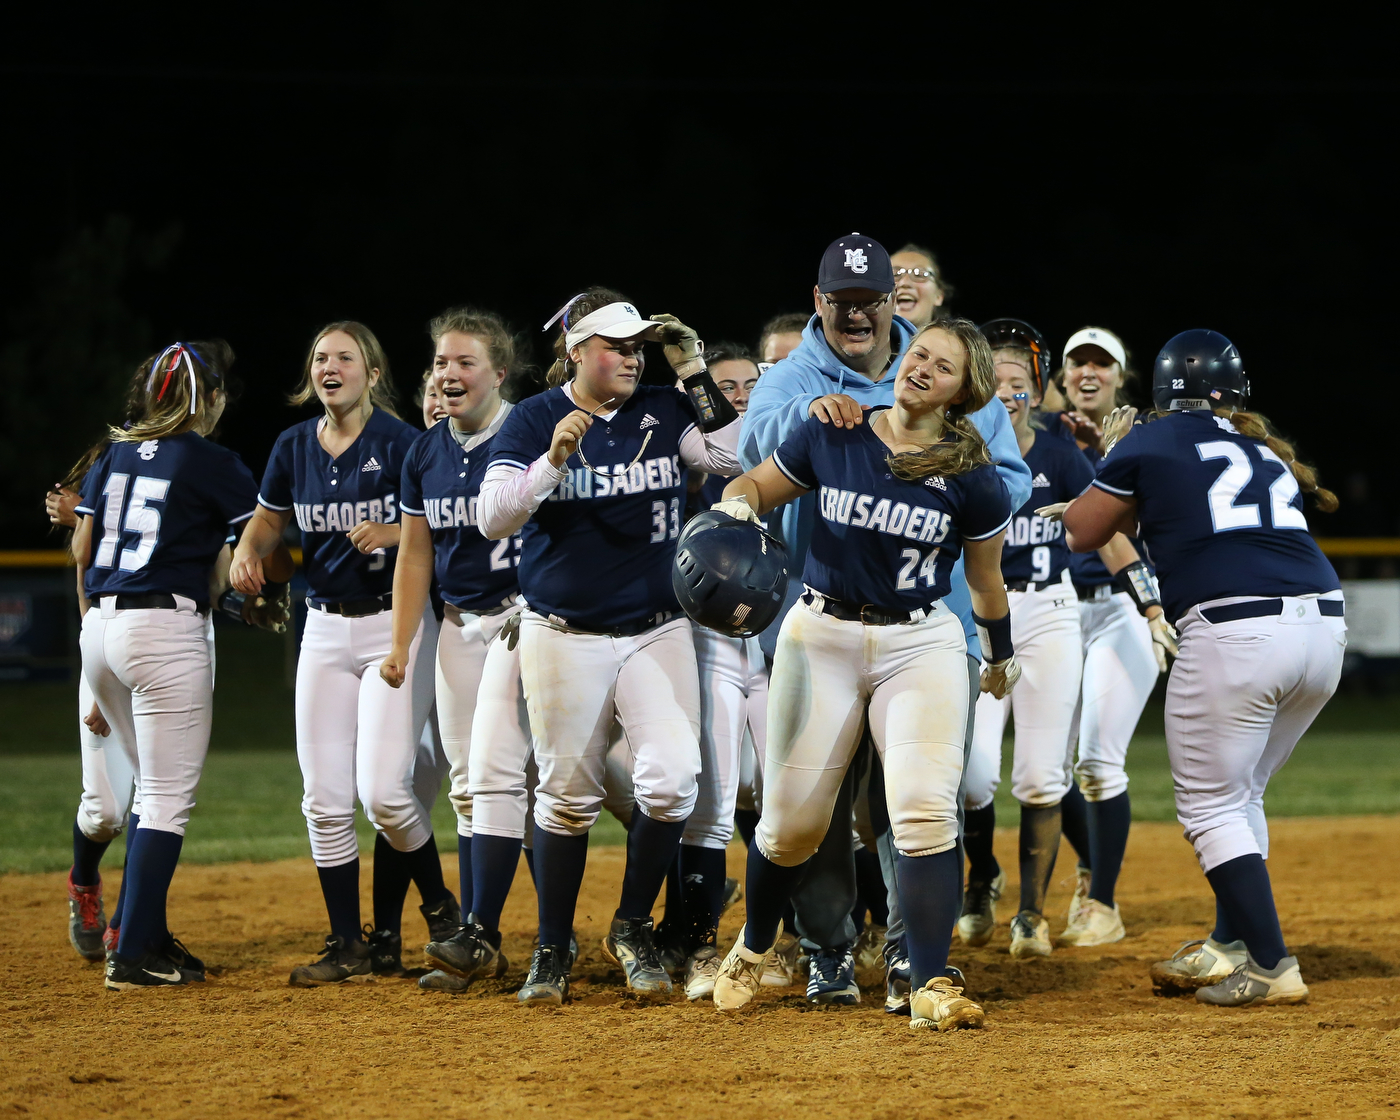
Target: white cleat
[[1083, 877], [1096, 924], [979, 916], [701, 971], [740, 977], [1249, 984], [940, 1005], [870, 948], [1030, 936], [1197, 964], [782, 970]]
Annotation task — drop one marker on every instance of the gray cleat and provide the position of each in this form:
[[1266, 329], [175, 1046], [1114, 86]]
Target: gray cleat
[[1249, 984], [630, 945], [439, 981], [87, 921], [1197, 964]]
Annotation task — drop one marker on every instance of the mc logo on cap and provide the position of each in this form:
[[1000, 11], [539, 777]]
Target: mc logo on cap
[[855, 260]]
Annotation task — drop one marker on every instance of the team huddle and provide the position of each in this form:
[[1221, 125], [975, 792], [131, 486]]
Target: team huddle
[[795, 592]]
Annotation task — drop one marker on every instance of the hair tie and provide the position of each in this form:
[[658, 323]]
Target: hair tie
[[179, 351], [563, 313]]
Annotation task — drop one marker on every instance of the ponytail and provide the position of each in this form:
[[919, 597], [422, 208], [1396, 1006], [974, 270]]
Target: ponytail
[[585, 303], [1253, 425]]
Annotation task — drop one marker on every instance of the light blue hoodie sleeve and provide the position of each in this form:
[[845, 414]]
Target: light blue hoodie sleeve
[[780, 402], [996, 429]]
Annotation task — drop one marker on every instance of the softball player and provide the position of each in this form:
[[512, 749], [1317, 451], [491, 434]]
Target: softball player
[[339, 474], [477, 677], [1123, 655], [167, 499], [1045, 627], [899, 498], [602, 633], [1218, 500]]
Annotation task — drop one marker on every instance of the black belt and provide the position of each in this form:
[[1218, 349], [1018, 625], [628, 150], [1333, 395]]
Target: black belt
[[863, 612], [355, 608], [1032, 585], [1262, 608], [156, 601], [631, 630]]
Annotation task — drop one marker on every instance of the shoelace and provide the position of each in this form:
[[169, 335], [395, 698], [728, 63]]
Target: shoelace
[[1187, 948], [88, 902]]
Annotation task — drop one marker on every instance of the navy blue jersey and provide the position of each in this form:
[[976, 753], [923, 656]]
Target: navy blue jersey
[[1221, 513], [162, 510], [1035, 547], [331, 496], [878, 538], [598, 551], [440, 482]]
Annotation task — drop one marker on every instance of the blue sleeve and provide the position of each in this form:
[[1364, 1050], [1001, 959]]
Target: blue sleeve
[[403, 444], [777, 408], [991, 420], [522, 439], [276, 490], [794, 457], [986, 505], [1076, 475], [233, 489], [411, 477], [1118, 471]]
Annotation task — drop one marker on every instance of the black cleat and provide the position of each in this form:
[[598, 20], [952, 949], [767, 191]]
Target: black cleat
[[467, 953], [444, 918], [154, 970], [385, 951], [340, 961], [548, 982], [631, 946], [175, 950]]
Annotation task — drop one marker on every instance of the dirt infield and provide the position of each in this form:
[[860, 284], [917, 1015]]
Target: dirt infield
[[1078, 1034]]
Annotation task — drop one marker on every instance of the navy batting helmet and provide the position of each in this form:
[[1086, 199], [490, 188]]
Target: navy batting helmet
[[729, 574], [1199, 369], [1014, 334]]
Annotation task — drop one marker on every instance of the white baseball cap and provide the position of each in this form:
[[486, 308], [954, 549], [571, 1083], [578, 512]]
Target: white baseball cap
[[1104, 340], [615, 320]]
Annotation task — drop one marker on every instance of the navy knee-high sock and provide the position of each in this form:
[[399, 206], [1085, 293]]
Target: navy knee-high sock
[[425, 869], [466, 871], [979, 830], [494, 860], [746, 821], [132, 824], [392, 874], [530, 863], [1039, 845], [673, 905], [870, 887], [1108, 840], [1074, 824], [1242, 888], [340, 887], [767, 894], [151, 868], [930, 900], [651, 850], [87, 855], [1223, 932], [702, 891], [559, 864]]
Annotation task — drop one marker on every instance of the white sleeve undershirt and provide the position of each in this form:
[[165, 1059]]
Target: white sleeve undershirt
[[717, 453], [509, 496]]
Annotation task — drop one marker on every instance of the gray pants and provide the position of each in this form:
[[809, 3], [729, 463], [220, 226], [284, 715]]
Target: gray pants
[[826, 895]]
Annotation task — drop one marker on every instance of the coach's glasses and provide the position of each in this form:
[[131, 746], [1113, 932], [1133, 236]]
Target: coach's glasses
[[847, 307], [604, 474]]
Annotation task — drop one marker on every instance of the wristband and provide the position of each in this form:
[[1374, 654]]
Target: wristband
[[994, 635], [1137, 581], [231, 603], [711, 405]]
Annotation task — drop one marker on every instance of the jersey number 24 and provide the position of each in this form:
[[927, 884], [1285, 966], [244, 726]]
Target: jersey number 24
[[140, 518], [1224, 513]]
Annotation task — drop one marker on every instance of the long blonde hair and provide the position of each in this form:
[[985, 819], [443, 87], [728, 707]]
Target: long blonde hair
[[1254, 425], [967, 450], [381, 393], [173, 390]]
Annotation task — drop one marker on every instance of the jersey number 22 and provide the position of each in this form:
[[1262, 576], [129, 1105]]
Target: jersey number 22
[[1224, 514]]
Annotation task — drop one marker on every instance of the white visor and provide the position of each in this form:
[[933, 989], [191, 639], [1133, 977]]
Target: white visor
[[616, 320], [1104, 340]]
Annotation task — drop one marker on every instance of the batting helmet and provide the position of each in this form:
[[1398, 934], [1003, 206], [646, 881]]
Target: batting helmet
[[1199, 369], [729, 574], [1013, 334]]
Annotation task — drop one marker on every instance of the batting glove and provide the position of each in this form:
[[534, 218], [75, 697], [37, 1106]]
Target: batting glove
[[1052, 512], [737, 508], [1000, 677], [682, 346], [1163, 642]]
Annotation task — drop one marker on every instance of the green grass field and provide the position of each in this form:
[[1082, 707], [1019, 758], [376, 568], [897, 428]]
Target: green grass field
[[249, 800]]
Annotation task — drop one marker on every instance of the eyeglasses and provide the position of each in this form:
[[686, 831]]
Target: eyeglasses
[[846, 307], [917, 274], [603, 473]]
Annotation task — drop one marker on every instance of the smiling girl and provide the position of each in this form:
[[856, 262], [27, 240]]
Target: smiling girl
[[339, 474], [900, 498]]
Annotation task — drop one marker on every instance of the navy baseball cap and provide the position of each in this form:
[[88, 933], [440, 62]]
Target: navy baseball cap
[[855, 261]]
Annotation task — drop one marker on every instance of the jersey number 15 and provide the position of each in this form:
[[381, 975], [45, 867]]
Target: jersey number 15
[[140, 518]]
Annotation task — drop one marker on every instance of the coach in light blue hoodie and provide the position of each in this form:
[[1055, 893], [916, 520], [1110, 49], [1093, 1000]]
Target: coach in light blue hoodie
[[845, 363]]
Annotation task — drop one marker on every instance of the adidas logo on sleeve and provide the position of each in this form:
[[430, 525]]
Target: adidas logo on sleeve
[[372, 465], [1039, 480], [649, 421]]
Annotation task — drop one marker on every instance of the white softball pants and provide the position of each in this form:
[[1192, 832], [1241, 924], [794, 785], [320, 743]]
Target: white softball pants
[[733, 701], [1239, 698], [829, 677], [430, 761], [1120, 670], [485, 726], [1045, 632], [575, 683], [152, 675], [109, 778], [355, 735]]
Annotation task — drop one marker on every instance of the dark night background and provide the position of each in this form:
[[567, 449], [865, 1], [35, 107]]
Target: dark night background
[[253, 179]]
